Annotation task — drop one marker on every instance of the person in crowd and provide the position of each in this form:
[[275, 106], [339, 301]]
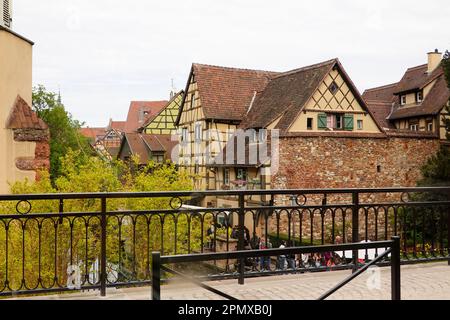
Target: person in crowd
[[291, 257], [317, 258], [265, 261], [281, 260], [210, 235]]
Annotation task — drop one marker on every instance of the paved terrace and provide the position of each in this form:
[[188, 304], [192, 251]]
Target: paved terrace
[[420, 281]]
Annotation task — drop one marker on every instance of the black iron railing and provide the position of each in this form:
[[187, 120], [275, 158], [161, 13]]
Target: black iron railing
[[392, 250], [64, 242]]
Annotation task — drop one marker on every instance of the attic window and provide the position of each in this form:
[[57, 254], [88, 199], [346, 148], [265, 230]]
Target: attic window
[[333, 87], [403, 100], [419, 96]]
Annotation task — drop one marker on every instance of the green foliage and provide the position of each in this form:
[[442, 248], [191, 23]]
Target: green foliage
[[131, 237], [64, 130], [437, 169]]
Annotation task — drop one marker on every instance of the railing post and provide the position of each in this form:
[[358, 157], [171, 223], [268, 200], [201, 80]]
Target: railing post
[[241, 236], [156, 276], [103, 251], [448, 236], [355, 227], [395, 269]]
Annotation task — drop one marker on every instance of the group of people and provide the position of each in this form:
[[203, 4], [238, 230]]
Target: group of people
[[283, 262]]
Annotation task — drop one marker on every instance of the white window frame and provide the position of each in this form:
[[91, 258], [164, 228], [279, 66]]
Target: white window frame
[[198, 131], [192, 105], [226, 176], [430, 126], [403, 99], [417, 96], [414, 127], [184, 134], [341, 121], [359, 124]]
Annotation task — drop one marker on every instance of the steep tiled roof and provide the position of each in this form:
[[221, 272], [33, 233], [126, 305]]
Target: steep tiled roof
[[433, 103], [381, 111], [135, 119], [137, 146], [118, 125], [384, 93], [93, 133], [160, 143], [226, 93], [143, 144], [416, 78], [22, 117], [384, 101], [286, 94]]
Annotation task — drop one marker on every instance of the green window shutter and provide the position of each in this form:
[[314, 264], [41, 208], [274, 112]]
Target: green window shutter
[[322, 121], [348, 122]]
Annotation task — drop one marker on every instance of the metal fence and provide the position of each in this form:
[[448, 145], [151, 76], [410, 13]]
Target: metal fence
[[65, 242], [391, 254]]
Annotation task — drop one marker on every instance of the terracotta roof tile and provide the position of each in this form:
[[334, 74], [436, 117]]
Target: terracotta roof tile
[[118, 125], [381, 111], [143, 144], [93, 133], [226, 93], [22, 117], [416, 78], [433, 103], [380, 94], [286, 94], [140, 111]]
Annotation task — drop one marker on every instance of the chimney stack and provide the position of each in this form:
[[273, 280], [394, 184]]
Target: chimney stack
[[6, 13], [434, 59]]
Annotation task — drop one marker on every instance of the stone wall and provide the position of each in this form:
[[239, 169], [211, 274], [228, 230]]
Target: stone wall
[[41, 160], [331, 162]]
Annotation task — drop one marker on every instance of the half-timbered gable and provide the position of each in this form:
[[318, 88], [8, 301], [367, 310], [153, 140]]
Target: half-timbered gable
[[316, 98], [164, 121], [214, 103]]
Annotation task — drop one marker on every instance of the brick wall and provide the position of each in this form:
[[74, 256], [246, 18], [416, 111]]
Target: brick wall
[[330, 162], [41, 160]]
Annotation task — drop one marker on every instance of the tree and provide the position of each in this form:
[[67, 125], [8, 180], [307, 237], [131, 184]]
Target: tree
[[64, 130], [437, 169], [78, 238]]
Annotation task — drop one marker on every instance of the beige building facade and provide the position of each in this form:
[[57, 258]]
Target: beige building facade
[[22, 142]]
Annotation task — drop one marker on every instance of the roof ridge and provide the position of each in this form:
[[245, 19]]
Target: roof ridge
[[417, 67], [232, 68], [381, 87], [148, 101], [312, 66]]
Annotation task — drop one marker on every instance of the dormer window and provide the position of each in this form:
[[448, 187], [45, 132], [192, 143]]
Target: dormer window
[[419, 96], [403, 100]]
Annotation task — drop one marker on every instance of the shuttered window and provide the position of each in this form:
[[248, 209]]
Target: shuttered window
[[322, 121], [335, 121], [348, 122]]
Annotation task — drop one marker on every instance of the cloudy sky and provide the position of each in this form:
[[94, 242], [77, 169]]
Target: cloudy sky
[[103, 53]]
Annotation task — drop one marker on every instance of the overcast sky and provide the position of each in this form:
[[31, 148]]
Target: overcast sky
[[104, 53]]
